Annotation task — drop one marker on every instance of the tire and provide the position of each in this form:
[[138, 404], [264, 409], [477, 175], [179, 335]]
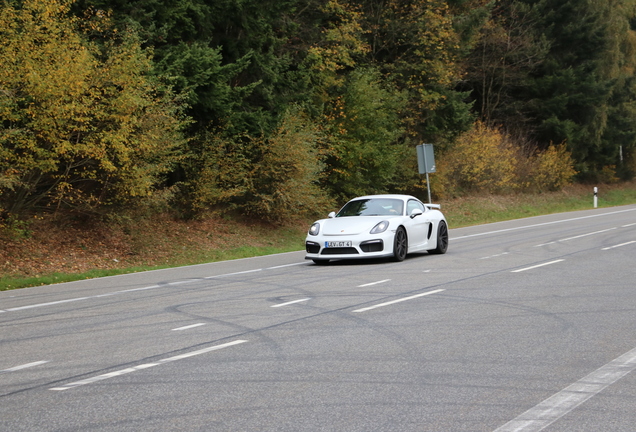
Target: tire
[[400, 245], [442, 239], [321, 261]]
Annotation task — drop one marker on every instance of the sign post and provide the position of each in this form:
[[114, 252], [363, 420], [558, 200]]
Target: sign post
[[426, 163]]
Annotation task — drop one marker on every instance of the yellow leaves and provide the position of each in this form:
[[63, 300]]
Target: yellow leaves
[[553, 169], [485, 160], [77, 113]]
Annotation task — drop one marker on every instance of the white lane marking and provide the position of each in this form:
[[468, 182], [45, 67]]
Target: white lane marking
[[628, 225], [202, 351], [233, 274], [373, 283], [104, 376], [537, 266], [576, 237], [24, 366], [398, 300], [618, 245], [145, 366], [187, 281], [46, 304], [540, 224], [588, 234], [494, 256], [188, 327], [81, 298], [129, 290], [290, 302], [287, 265], [561, 403]]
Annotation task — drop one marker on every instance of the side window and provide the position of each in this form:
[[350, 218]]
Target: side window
[[412, 204]]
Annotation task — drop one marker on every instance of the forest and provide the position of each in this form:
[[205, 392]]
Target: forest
[[273, 108]]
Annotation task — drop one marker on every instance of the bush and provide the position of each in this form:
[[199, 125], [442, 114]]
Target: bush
[[552, 169], [273, 178], [484, 160], [481, 160], [81, 125]]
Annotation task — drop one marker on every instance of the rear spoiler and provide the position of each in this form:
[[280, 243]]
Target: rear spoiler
[[433, 206]]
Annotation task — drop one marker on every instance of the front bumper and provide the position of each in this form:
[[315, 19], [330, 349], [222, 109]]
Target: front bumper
[[379, 246]]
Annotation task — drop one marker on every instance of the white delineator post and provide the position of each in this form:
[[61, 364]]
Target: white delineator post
[[595, 197]]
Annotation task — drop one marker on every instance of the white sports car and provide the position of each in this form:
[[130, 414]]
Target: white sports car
[[377, 226]]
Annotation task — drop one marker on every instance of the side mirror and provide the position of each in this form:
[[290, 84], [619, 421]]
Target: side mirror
[[416, 212], [331, 215]]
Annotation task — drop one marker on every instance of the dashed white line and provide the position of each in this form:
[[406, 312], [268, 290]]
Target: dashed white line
[[561, 403], [618, 245], [494, 256], [373, 283], [398, 300], [46, 304], [537, 266], [24, 366], [290, 302], [145, 366], [234, 274], [188, 327], [287, 265]]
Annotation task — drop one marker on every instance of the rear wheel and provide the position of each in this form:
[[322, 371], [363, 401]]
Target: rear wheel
[[442, 239], [400, 244]]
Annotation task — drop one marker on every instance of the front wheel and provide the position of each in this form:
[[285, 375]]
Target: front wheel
[[400, 245], [442, 239]]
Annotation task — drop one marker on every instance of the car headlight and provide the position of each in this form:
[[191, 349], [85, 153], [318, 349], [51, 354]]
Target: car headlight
[[380, 228], [314, 229]]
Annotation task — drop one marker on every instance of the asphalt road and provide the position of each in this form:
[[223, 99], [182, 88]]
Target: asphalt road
[[524, 325]]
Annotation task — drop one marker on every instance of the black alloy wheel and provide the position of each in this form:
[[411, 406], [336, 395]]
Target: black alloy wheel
[[442, 239], [400, 245]]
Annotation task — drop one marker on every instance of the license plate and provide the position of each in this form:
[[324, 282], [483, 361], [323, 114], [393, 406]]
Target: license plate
[[338, 244]]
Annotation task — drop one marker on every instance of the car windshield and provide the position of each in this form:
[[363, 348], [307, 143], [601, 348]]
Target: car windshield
[[372, 207]]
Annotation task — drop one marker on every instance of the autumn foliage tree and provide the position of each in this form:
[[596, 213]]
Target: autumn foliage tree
[[81, 126]]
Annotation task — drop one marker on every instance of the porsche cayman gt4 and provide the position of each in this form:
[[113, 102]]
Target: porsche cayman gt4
[[378, 226]]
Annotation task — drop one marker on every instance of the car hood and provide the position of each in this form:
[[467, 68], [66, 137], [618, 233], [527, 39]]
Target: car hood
[[350, 225]]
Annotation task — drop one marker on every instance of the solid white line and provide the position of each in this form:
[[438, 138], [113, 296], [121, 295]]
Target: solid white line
[[588, 234], [619, 245], [537, 266], [290, 302], [24, 366], [398, 300], [628, 225], [125, 291], [144, 366], [373, 283], [556, 406], [540, 224], [575, 237], [188, 327]]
